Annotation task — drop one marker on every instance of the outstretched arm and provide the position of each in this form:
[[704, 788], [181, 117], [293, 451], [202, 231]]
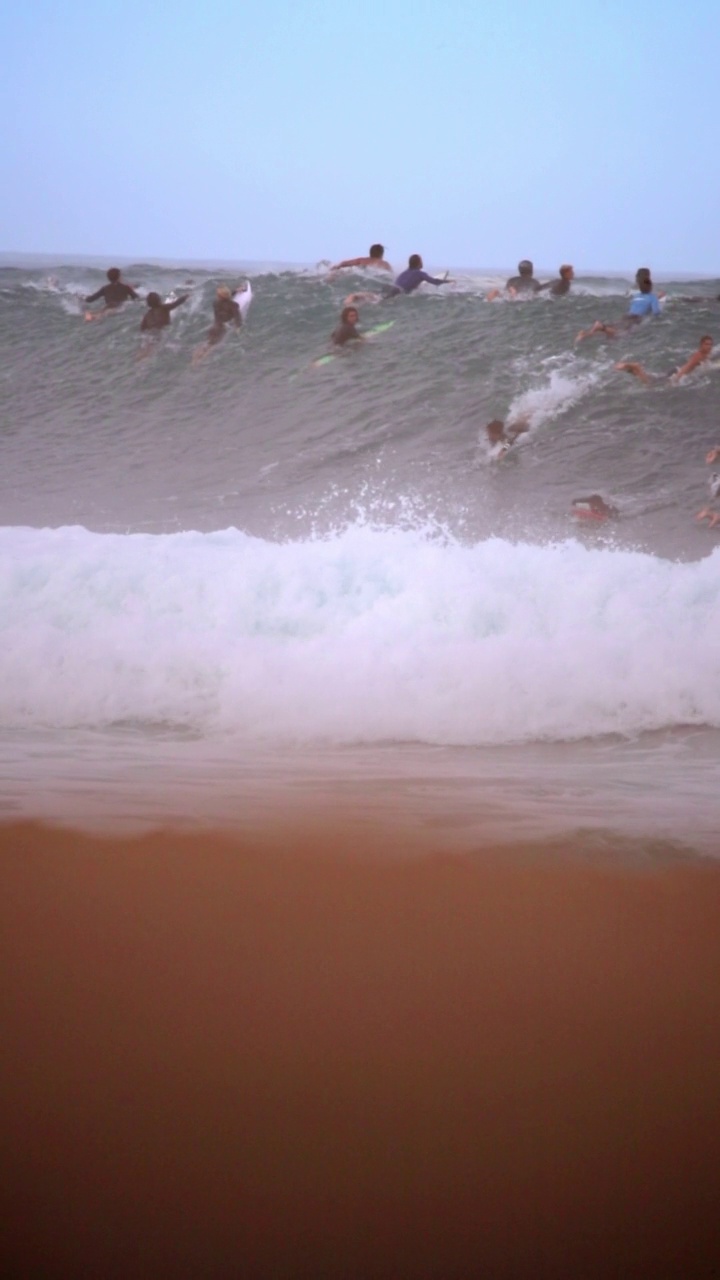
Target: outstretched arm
[[688, 367], [178, 302], [93, 297]]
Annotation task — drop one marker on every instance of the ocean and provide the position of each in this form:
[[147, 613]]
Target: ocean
[[251, 583], [358, 805]]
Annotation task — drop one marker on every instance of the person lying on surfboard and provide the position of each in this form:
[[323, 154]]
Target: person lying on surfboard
[[407, 282], [376, 258], [157, 315], [503, 437], [697, 358], [225, 311], [593, 508], [346, 330], [113, 294], [645, 304]]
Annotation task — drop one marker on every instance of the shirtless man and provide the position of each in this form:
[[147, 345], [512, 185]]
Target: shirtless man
[[375, 259], [697, 358]]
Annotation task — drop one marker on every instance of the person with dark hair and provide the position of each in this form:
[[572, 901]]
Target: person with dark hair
[[346, 330], [412, 277], [523, 285], [525, 282], [697, 358], [157, 316], [558, 288], [503, 436], [113, 294], [407, 282], [645, 304], [376, 258]]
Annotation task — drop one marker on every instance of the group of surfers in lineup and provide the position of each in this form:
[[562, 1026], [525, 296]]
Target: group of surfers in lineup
[[501, 436], [226, 310]]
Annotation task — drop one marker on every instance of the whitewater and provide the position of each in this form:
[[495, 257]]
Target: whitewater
[[226, 585]]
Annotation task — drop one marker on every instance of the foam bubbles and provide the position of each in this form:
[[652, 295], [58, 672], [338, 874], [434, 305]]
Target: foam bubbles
[[370, 635]]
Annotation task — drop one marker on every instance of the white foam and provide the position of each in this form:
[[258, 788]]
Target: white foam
[[368, 636]]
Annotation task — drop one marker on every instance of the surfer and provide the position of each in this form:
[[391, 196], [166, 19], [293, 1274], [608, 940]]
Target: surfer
[[407, 282], [522, 285], [593, 508], [376, 258], [558, 288], [346, 330], [709, 511], [697, 358], [503, 437], [114, 294], [645, 304], [225, 311], [157, 316]]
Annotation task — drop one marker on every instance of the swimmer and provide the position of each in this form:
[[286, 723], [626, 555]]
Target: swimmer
[[593, 508], [346, 330], [698, 357], [503, 437], [407, 282], [376, 258], [225, 311], [646, 304], [523, 285], [708, 512], [157, 318], [113, 295], [558, 288]]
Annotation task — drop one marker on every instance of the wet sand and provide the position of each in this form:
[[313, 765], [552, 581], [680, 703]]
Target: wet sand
[[302, 1055]]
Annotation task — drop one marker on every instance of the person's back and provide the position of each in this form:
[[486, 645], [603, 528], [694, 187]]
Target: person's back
[[525, 282], [413, 276], [115, 292], [157, 315], [558, 288], [646, 303], [376, 258]]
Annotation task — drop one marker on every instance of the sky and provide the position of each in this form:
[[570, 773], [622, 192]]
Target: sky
[[302, 130]]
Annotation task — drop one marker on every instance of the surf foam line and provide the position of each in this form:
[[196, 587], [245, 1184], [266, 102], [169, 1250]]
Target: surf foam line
[[367, 636]]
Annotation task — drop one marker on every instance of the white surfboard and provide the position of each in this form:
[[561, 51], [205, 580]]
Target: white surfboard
[[244, 296]]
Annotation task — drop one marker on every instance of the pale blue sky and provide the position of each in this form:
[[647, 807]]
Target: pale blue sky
[[296, 130]]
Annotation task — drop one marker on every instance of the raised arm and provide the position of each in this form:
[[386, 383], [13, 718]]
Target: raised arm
[[349, 262], [178, 302]]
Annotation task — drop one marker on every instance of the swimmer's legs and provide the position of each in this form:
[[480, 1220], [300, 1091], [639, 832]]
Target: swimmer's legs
[[629, 366], [598, 327]]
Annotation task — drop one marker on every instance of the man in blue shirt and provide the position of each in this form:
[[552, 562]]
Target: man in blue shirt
[[645, 304]]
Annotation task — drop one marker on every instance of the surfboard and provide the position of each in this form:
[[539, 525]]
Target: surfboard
[[369, 333], [244, 297]]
